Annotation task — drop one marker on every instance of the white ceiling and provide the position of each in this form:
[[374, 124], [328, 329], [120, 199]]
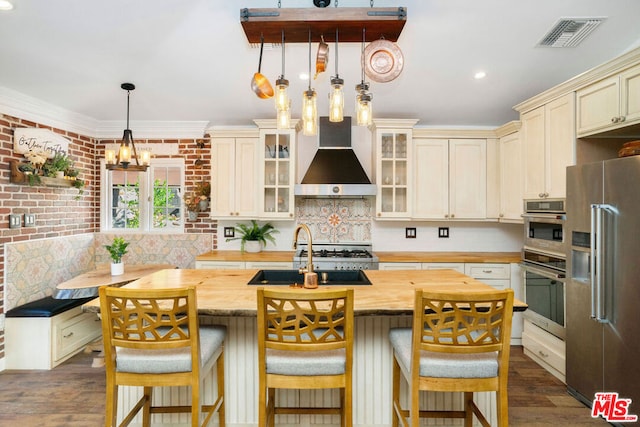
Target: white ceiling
[[190, 60]]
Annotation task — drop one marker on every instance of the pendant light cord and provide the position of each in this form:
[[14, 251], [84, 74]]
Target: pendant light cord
[[309, 59], [336, 52], [128, 92], [282, 54]]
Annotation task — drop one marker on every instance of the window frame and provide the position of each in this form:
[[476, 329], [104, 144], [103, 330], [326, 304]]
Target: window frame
[[145, 204]]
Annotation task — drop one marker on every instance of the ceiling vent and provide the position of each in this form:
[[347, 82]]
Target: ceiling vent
[[569, 32]]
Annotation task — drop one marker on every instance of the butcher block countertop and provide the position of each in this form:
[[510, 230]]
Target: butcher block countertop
[[287, 256], [226, 293], [481, 257]]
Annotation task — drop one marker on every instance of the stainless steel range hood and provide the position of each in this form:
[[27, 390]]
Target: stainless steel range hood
[[335, 170]]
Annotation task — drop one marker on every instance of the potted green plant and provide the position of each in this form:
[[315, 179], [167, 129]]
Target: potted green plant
[[253, 237], [57, 166], [117, 249]]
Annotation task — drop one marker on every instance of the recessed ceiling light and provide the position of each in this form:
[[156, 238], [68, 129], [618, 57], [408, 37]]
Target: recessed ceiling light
[[5, 5], [479, 75]]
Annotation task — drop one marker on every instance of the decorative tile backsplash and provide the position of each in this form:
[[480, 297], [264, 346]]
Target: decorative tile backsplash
[[337, 220]]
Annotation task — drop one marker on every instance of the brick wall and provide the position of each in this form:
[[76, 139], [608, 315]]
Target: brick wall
[[59, 211]]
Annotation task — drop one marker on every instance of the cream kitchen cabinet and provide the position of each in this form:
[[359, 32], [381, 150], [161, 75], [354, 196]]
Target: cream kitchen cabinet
[[234, 173], [399, 266], [450, 179], [548, 147], [393, 167], [277, 173], [609, 104], [510, 154], [457, 266]]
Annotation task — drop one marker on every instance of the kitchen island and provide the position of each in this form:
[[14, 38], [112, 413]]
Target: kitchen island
[[225, 298]]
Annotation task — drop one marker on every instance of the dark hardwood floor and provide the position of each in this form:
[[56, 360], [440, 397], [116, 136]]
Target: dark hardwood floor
[[72, 395]]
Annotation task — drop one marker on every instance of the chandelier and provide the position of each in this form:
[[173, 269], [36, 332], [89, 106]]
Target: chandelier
[[127, 152]]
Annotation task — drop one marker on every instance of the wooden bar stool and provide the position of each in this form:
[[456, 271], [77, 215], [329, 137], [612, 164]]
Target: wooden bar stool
[[458, 342], [152, 339], [305, 341]]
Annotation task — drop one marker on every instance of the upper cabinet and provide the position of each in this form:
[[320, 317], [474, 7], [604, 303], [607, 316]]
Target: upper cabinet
[[393, 168], [450, 179], [277, 173], [511, 203], [609, 104], [234, 173], [548, 147], [253, 172]]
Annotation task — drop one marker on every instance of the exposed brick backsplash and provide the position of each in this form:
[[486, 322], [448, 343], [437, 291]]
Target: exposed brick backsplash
[[59, 212]]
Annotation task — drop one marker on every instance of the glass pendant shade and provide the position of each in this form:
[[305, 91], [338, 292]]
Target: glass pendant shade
[[336, 101], [282, 97], [364, 112], [309, 113], [283, 117]]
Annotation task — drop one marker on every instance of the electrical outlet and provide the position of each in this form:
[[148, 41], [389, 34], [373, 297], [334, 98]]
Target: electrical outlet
[[229, 232], [29, 220], [15, 221], [410, 233], [443, 232]]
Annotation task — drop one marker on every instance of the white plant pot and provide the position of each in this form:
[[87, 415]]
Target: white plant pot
[[117, 269], [60, 174], [252, 246]]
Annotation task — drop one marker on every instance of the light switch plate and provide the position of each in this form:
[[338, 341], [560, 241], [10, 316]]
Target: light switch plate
[[443, 232], [410, 233], [15, 221], [229, 232], [29, 220]]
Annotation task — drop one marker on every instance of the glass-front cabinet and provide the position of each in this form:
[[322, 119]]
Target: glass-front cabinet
[[393, 168], [277, 174]]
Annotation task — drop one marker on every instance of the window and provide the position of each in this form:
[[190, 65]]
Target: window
[[144, 201]]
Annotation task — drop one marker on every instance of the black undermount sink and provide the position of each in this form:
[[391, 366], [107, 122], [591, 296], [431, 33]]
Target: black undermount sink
[[290, 277]]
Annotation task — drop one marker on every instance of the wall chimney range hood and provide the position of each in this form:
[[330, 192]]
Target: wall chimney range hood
[[335, 170]]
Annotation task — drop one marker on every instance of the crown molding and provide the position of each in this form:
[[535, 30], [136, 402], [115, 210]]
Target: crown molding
[[602, 71], [152, 129], [25, 107]]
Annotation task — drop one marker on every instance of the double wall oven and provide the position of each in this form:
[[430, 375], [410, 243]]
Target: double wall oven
[[544, 264]]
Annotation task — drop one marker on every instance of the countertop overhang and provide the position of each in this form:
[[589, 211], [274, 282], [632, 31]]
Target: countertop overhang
[[226, 293]]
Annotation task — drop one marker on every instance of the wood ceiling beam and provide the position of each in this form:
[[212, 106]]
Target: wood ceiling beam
[[380, 22]]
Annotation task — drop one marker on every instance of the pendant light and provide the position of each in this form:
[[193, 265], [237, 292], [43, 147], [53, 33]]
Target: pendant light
[[127, 147], [309, 109], [336, 97], [282, 101], [364, 114]]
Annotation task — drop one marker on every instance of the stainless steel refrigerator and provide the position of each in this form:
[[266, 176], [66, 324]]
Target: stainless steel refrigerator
[[603, 286]]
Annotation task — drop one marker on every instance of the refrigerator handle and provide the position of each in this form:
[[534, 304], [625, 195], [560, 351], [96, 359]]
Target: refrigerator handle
[[597, 262], [594, 274]]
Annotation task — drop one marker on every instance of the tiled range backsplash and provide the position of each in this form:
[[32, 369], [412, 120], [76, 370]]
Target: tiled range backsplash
[[337, 220]]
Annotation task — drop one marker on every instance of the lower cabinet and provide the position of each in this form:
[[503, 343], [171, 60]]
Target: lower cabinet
[[242, 265], [46, 342], [457, 266], [547, 350], [399, 266]]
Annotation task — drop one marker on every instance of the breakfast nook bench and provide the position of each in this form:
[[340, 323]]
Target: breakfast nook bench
[[43, 333]]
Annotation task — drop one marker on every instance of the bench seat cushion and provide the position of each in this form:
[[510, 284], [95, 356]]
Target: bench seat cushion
[[46, 307]]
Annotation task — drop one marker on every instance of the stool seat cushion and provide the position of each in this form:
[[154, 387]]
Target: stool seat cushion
[[443, 365], [170, 360], [46, 307], [305, 363]]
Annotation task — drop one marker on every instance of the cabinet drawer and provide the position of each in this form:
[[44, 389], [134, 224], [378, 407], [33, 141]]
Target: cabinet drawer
[[547, 350], [73, 333], [457, 266], [268, 265], [400, 266], [220, 265], [488, 271]]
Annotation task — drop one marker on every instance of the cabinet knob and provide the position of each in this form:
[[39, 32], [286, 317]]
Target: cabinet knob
[[622, 118], [501, 215], [614, 119], [453, 215], [446, 215], [541, 195], [379, 214]]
